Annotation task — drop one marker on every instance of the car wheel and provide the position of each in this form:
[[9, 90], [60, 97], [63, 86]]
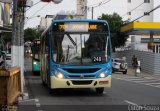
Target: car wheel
[[99, 90], [125, 72]]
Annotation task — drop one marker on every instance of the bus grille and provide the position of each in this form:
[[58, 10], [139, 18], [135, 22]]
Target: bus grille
[[91, 70], [86, 82], [79, 76]]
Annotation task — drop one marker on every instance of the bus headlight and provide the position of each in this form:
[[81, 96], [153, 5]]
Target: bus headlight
[[34, 63], [102, 75], [59, 75]]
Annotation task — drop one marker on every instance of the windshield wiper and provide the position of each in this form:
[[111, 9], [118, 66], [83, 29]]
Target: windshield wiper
[[70, 38]]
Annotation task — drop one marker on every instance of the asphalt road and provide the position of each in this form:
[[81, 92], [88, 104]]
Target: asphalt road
[[126, 94]]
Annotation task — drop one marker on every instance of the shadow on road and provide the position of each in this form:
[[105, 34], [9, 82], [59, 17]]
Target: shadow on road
[[75, 92]]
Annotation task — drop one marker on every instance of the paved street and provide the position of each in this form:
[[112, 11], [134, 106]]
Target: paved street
[[127, 90]]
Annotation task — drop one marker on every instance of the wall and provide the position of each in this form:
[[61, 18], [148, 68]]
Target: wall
[[150, 62], [145, 7]]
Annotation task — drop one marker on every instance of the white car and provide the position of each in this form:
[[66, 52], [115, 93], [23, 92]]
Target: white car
[[119, 65]]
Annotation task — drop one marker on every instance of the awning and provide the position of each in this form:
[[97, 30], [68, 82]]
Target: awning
[[5, 29], [141, 28]]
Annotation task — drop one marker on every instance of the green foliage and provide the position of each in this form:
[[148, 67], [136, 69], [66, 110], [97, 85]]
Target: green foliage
[[30, 34], [115, 22]]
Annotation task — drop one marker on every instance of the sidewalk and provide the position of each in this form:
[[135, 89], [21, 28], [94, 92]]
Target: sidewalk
[[131, 72]]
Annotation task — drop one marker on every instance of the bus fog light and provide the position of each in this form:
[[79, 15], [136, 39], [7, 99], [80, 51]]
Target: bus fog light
[[59, 75], [102, 75]]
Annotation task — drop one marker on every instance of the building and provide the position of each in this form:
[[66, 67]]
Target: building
[[5, 16], [136, 9], [82, 8], [45, 22], [49, 19], [128, 10]]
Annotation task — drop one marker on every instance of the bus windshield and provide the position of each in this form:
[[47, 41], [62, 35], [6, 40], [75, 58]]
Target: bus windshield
[[80, 48], [36, 49]]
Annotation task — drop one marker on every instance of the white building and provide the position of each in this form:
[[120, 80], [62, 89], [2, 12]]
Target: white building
[[82, 8], [128, 10], [137, 8], [42, 25], [46, 22]]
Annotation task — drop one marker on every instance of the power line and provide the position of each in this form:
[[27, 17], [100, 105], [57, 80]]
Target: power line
[[133, 9], [102, 3], [38, 10], [84, 12], [96, 3], [147, 13], [32, 6]]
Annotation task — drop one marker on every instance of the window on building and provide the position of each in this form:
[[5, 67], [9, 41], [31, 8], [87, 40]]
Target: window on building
[[146, 1], [129, 1], [146, 13], [129, 13]]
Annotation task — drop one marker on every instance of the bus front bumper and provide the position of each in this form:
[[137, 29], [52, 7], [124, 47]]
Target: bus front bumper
[[80, 83]]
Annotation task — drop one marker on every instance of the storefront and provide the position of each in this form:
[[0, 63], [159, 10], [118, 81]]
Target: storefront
[[148, 34]]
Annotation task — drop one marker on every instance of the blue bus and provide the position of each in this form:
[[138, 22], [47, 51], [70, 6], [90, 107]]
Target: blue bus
[[76, 54], [36, 56]]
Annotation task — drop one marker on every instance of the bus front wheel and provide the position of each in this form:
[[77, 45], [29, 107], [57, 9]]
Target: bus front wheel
[[99, 90]]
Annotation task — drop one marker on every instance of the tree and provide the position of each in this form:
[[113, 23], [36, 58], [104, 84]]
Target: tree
[[115, 22], [7, 36], [30, 34]]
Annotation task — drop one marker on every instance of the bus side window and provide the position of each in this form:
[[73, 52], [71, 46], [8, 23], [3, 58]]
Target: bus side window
[[46, 46]]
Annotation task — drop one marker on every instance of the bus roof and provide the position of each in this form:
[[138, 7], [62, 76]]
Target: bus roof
[[80, 20]]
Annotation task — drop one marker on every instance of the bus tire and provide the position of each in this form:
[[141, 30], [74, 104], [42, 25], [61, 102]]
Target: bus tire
[[99, 90]]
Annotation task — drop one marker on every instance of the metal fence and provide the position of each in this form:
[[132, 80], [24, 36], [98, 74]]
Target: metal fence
[[150, 62]]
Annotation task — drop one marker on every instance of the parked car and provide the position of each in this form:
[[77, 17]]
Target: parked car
[[119, 65]]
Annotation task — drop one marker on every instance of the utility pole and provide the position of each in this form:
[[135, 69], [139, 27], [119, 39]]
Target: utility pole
[[18, 38], [14, 35], [92, 12]]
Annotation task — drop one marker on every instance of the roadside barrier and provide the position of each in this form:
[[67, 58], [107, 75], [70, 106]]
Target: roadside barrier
[[10, 87]]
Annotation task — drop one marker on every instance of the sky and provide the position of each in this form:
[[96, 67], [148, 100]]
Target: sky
[[43, 9], [49, 9], [67, 5]]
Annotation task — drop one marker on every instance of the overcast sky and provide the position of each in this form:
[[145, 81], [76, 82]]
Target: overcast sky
[[43, 9], [68, 5], [49, 9]]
